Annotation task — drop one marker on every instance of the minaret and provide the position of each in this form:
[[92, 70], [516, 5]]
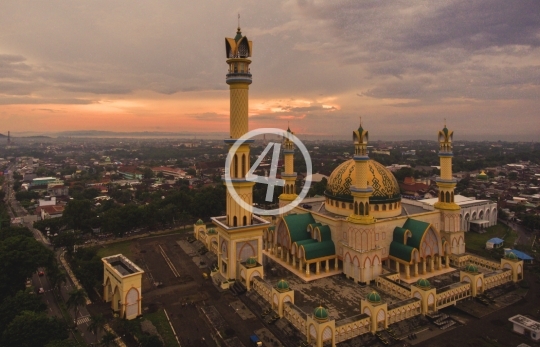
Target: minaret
[[289, 176], [238, 50], [446, 182], [360, 190], [450, 222]]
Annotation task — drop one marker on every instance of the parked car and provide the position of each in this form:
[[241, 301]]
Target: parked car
[[41, 273], [41, 290]]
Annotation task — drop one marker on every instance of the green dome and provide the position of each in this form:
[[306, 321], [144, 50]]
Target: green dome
[[251, 262], [471, 268], [211, 231], [511, 256], [199, 222], [423, 283], [374, 297], [282, 286], [482, 176], [320, 314]]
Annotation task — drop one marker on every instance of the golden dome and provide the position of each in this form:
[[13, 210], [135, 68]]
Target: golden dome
[[384, 184]]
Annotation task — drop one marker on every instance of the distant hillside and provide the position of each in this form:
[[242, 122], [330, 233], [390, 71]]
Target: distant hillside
[[103, 133]]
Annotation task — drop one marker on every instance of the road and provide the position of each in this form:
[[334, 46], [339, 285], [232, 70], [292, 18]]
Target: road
[[49, 297]]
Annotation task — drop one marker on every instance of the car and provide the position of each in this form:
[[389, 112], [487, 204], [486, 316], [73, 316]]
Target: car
[[41, 273], [41, 290], [28, 282], [306, 206]]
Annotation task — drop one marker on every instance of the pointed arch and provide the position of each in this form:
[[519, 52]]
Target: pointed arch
[[447, 196], [361, 209]]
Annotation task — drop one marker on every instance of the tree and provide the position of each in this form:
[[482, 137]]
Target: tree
[[77, 298], [151, 341], [12, 306], [68, 239], [513, 176], [56, 276], [20, 257], [96, 324], [107, 339], [77, 213], [30, 329]]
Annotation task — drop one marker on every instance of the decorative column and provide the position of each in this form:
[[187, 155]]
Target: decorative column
[[327, 268], [407, 271], [424, 266], [317, 267], [415, 269]]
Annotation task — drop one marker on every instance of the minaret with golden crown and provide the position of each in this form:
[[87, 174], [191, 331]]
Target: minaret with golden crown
[[238, 50], [450, 223], [289, 176], [361, 191]]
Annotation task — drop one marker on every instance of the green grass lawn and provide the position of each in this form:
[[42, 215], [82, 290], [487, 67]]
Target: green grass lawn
[[160, 321], [477, 242], [123, 247]]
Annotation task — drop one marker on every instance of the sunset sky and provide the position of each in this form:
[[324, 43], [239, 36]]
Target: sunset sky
[[403, 66]]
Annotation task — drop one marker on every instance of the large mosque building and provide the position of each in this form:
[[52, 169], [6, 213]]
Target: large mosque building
[[361, 228]]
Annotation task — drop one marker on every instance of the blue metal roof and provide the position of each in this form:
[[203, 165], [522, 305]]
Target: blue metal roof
[[521, 255], [496, 240]]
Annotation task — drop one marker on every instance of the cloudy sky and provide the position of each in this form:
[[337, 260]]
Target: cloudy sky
[[403, 66]]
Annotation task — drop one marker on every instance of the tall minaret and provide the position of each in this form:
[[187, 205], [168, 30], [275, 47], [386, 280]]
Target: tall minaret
[[360, 190], [238, 50], [450, 223], [289, 176]]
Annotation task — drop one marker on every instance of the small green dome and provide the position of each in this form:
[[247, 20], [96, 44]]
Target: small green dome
[[482, 176], [445, 130], [471, 268], [211, 231], [251, 262], [282, 286], [374, 297], [511, 256], [199, 222], [423, 283], [320, 314]]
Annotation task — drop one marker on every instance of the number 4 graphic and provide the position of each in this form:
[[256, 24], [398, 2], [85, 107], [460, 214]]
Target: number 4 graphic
[[271, 180]]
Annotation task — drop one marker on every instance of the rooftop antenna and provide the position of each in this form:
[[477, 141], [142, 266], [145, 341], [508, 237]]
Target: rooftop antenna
[[238, 20]]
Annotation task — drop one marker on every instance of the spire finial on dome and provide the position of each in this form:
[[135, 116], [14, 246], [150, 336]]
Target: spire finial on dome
[[445, 122], [238, 21], [288, 126]]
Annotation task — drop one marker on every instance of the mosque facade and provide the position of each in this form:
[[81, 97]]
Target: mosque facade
[[361, 228]]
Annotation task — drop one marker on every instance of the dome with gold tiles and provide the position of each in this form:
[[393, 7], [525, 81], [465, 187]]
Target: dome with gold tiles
[[384, 184]]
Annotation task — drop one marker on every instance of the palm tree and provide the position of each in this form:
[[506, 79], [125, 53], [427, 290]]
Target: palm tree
[[77, 298], [107, 339], [96, 324], [57, 277]]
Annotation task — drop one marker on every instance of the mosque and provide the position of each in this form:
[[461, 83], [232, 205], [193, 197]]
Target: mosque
[[361, 228]]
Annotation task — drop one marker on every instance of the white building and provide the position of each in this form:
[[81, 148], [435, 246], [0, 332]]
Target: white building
[[524, 325]]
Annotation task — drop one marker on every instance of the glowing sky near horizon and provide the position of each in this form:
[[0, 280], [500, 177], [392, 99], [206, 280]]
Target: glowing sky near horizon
[[160, 66]]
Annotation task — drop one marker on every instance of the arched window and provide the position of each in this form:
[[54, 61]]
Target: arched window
[[235, 166], [244, 220], [376, 207], [235, 221], [447, 197], [350, 206], [355, 207], [441, 199], [361, 208], [342, 205], [384, 207]]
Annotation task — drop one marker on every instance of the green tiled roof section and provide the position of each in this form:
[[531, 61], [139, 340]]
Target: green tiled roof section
[[399, 234], [401, 251], [319, 249], [314, 225], [417, 229], [326, 234], [305, 242], [297, 224]]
